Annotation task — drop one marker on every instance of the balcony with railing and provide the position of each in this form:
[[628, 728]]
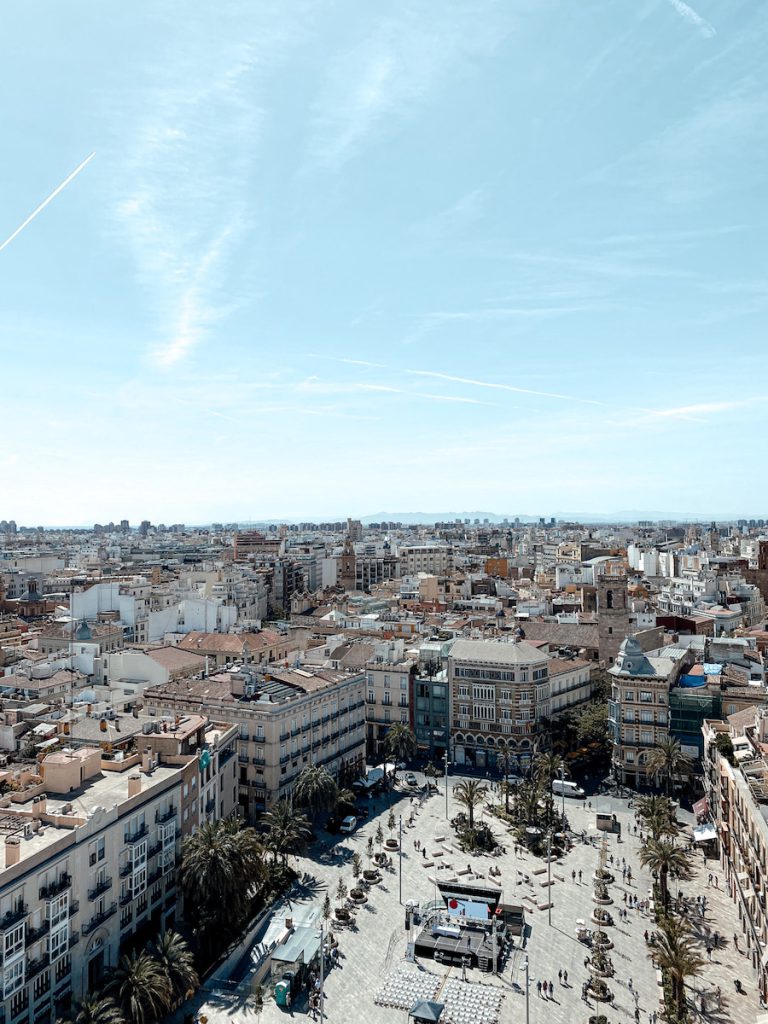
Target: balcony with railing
[[39, 964], [33, 934], [12, 917], [161, 817], [101, 887], [74, 907], [55, 888], [99, 918], [136, 836]]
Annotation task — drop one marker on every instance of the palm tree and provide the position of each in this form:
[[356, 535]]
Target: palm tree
[[658, 815], [177, 964], [220, 865], [98, 1010], [668, 760], [470, 793], [400, 742], [547, 767], [288, 831], [346, 802], [664, 858], [315, 789], [676, 953], [141, 990]]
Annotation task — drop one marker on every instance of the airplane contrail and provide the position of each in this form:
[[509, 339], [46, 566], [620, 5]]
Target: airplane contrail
[[45, 202]]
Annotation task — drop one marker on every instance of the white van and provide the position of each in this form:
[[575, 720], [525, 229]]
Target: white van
[[564, 787]]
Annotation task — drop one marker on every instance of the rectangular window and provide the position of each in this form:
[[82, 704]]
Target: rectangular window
[[464, 710], [647, 717], [525, 697], [646, 736], [58, 941], [386, 682], [505, 695], [629, 735], [13, 942], [629, 715], [371, 697], [13, 978], [139, 882], [58, 910], [646, 697], [629, 756], [403, 717], [387, 715], [403, 682], [629, 695]]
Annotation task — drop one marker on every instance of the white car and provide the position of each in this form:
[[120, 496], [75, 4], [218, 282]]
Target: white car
[[349, 824]]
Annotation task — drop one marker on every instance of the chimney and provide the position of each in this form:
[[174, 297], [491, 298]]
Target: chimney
[[146, 761], [289, 923], [12, 851], [39, 805], [134, 785]]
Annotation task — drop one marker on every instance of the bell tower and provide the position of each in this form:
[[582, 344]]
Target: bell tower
[[347, 575], [612, 616]]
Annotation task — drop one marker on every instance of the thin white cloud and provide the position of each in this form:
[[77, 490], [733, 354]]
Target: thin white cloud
[[389, 74], [685, 11], [474, 382], [699, 411], [318, 386]]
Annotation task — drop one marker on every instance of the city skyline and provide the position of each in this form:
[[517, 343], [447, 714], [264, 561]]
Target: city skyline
[[281, 260]]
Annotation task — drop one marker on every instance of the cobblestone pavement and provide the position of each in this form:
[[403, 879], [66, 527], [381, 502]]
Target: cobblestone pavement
[[375, 950]]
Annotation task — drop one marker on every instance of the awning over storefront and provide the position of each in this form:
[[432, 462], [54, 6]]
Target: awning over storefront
[[701, 807], [703, 833]]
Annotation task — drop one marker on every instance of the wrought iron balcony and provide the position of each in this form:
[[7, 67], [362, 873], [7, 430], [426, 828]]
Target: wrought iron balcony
[[55, 888], [134, 837], [98, 919], [35, 966], [13, 917], [33, 934], [99, 888], [162, 816]]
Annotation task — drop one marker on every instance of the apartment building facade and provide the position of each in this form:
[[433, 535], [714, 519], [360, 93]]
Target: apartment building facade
[[638, 709], [736, 787], [387, 699], [286, 719], [499, 693], [88, 861]]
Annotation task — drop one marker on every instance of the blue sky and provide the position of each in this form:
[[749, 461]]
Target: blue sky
[[339, 257]]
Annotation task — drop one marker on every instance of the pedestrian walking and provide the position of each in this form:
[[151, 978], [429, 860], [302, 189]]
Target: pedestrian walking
[[645, 935], [637, 1015], [716, 939], [629, 984], [709, 952], [423, 853], [586, 961], [709, 878], [565, 977], [573, 875], [629, 876], [625, 897], [538, 988], [560, 976], [551, 990], [717, 882], [579, 877]]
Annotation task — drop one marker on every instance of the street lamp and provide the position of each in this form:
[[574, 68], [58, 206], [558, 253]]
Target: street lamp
[[446, 783], [527, 992]]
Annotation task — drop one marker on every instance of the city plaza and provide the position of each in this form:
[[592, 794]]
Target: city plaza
[[374, 982]]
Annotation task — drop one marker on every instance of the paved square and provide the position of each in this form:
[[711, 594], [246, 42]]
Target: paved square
[[371, 960]]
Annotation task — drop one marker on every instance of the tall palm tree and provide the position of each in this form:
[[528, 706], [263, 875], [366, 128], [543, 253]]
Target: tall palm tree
[[400, 742], [98, 1010], [140, 989], [666, 760], [547, 767], [346, 802], [664, 858], [676, 953], [315, 789], [176, 962], [470, 793], [288, 831], [658, 816], [220, 865]]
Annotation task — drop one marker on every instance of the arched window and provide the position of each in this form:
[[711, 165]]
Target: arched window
[[609, 599]]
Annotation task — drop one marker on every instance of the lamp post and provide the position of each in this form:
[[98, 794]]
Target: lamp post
[[549, 876], [527, 992], [446, 783], [322, 971], [562, 786], [400, 858]]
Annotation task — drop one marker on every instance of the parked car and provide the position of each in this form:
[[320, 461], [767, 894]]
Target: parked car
[[410, 779], [564, 787], [349, 824]]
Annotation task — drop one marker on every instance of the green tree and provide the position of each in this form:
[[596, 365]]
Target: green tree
[[592, 723], [724, 745], [400, 742], [470, 794], [391, 821], [346, 803], [140, 989], [666, 760], [664, 858], [677, 956], [288, 830], [315, 790], [177, 964], [379, 835], [327, 909], [221, 865], [98, 1010], [430, 771], [658, 815], [357, 864], [548, 767], [341, 892]]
